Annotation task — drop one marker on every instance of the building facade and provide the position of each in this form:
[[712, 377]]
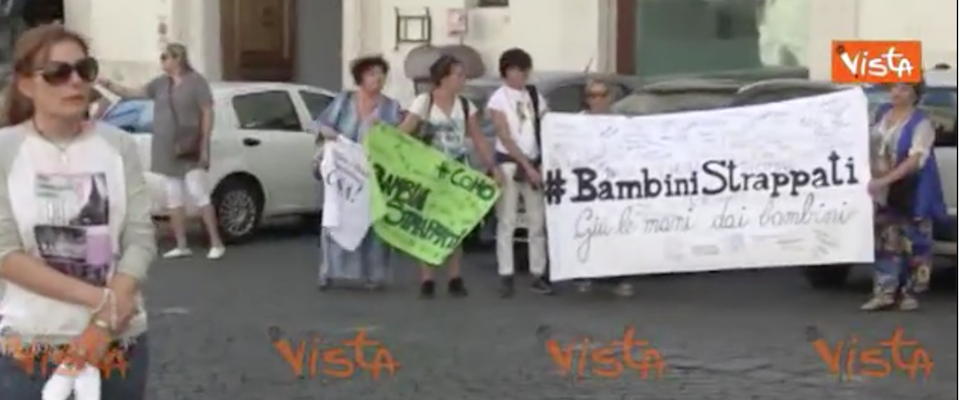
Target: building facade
[[312, 41]]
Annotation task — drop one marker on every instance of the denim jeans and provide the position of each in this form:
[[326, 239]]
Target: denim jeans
[[17, 382]]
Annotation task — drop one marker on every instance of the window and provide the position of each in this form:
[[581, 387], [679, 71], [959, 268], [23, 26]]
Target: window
[[940, 103], [493, 3], [940, 98], [947, 135], [132, 115], [316, 103], [273, 110], [617, 91], [568, 99]]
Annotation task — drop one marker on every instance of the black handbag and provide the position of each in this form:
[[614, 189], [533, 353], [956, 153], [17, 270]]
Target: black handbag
[[902, 194]]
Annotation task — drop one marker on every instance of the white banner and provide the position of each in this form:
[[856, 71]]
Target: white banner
[[346, 194], [773, 185]]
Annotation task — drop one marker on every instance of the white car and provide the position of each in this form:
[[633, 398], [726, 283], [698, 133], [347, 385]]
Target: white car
[[261, 151]]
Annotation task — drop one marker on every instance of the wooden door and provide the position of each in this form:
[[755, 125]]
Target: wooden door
[[258, 39], [626, 36]]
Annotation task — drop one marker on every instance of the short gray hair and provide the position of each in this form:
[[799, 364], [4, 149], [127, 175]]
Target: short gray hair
[[179, 51]]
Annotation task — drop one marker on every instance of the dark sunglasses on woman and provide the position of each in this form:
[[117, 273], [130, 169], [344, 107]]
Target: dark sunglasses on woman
[[59, 72]]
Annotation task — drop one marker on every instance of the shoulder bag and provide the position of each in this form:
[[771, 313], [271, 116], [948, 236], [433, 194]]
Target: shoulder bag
[[188, 140]]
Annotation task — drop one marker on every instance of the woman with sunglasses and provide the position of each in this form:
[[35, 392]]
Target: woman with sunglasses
[[448, 122], [599, 102], [180, 148], [76, 238], [909, 197], [349, 117]]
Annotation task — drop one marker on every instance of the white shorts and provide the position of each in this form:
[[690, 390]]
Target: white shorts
[[194, 184]]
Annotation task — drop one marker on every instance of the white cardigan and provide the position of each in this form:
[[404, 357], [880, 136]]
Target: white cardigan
[[103, 150]]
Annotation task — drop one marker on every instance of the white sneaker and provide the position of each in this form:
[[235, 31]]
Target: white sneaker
[[216, 252], [178, 253]]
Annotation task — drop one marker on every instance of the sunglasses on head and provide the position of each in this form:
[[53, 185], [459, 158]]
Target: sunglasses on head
[[59, 72]]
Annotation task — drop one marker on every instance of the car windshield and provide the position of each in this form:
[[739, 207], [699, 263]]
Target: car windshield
[[940, 103], [935, 97], [133, 116]]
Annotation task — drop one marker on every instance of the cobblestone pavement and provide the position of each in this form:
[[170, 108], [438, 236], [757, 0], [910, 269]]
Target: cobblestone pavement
[[724, 336]]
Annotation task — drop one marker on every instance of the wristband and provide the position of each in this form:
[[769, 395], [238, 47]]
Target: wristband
[[103, 301], [99, 323]]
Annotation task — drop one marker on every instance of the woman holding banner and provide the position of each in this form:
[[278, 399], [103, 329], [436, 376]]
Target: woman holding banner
[[906, 187], [445, 119], [349, 117], [600, 102]]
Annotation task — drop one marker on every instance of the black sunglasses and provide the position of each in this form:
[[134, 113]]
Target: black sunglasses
[[59, 72], [597, 94]]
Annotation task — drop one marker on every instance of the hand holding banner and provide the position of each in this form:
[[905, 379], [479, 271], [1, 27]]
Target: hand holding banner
[[774, 185], [429, 202]]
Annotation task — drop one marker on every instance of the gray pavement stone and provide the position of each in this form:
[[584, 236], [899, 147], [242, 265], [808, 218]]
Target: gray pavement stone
[[724, 336]]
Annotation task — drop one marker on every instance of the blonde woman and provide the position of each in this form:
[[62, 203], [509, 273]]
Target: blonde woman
[[182, 124]]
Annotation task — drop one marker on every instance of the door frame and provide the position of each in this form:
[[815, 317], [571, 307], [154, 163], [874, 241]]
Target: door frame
[[229, 40], [626, 37]]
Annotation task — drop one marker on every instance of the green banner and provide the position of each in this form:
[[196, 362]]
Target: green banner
[[429, 202]]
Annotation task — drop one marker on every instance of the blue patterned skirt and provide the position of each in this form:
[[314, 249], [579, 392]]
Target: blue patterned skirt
[[904, 253], [369, 262]]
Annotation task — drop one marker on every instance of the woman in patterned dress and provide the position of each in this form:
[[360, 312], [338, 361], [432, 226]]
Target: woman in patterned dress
[[906, 187], [349, 117]]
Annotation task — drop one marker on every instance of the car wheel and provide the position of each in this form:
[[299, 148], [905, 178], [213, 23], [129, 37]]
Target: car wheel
[[827, 276], [239, 204]]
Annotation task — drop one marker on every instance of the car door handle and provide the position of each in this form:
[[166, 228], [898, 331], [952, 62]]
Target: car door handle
[[250, 142]]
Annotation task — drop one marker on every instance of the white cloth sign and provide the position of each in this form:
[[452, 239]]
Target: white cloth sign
[[774, 185], [345, 192]]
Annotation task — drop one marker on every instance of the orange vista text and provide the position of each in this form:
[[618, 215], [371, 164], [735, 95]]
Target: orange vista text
[[342, 360], [603, 360]]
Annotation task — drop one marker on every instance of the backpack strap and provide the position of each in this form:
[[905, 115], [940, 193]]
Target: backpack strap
[[426, 115], [465, 106], [422, 134], [535, 100]]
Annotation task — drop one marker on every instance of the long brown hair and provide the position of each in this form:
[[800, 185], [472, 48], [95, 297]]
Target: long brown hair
[[30, 51]]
